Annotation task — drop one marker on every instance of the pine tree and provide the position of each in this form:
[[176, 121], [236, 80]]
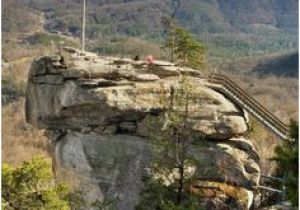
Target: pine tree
[[286, 157], [31, 186], [183, 46], [172, 138]]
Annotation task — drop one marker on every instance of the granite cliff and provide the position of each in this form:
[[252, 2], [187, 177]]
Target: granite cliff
[[95, 111]]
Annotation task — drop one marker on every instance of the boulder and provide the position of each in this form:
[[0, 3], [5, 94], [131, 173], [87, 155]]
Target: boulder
[[223, 162], [99, 109]]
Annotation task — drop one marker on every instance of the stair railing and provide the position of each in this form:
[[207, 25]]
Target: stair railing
[[249, 101]]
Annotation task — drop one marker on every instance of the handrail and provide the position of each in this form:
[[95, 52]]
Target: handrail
[[235, 86], [246, 95], [259, 108], [263, 117], [267, 118], [249, 101], [274, 122]]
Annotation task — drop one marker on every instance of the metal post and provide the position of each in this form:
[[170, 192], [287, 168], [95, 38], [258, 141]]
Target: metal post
[[83, 26]]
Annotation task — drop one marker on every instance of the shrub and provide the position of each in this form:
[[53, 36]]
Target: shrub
[[31, 186], [155, 195]]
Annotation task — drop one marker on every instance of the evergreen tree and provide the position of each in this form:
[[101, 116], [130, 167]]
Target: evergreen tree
[[286, 157], [183, 46], [31, 186], [172, 138]]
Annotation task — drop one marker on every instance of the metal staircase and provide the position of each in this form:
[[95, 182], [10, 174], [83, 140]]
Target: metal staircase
[[226, 86]]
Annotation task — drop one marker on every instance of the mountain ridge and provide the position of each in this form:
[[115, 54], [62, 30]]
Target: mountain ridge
[[230, 29]]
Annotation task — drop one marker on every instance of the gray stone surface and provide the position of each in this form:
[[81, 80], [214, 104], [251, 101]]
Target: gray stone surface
[[112, 165]]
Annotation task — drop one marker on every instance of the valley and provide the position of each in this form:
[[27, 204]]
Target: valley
[[255, 43]]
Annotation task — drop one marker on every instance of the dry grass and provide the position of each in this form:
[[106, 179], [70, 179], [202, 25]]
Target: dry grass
[[18, 72], [264, 143], [13, 50], [20, 141]]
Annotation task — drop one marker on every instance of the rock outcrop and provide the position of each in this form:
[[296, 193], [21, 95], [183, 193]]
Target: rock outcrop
[[95, 110]]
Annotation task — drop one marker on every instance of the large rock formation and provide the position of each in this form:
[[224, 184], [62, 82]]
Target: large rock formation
[[95, 110]]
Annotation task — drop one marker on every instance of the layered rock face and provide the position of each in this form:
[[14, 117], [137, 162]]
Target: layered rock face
[[95, 110]]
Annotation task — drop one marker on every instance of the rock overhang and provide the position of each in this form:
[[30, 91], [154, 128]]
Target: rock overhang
[[95, 91], [89, 103]]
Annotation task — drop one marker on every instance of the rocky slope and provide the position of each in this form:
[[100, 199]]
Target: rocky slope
[[95, 111]]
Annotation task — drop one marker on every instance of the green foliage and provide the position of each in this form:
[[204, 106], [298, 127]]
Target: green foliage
[[106, 204], [31, 186], [172, 137], [157, 196], [287, 163], [184, 46]]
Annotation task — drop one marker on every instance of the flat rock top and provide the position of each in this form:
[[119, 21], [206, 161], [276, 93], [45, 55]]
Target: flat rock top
[[89, 65]]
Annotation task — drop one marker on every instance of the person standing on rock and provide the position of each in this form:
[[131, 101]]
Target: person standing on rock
[[137, 58], [150, 60]]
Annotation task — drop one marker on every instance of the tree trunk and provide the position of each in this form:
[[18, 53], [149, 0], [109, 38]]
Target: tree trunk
[[180, 184], [173, 48]]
